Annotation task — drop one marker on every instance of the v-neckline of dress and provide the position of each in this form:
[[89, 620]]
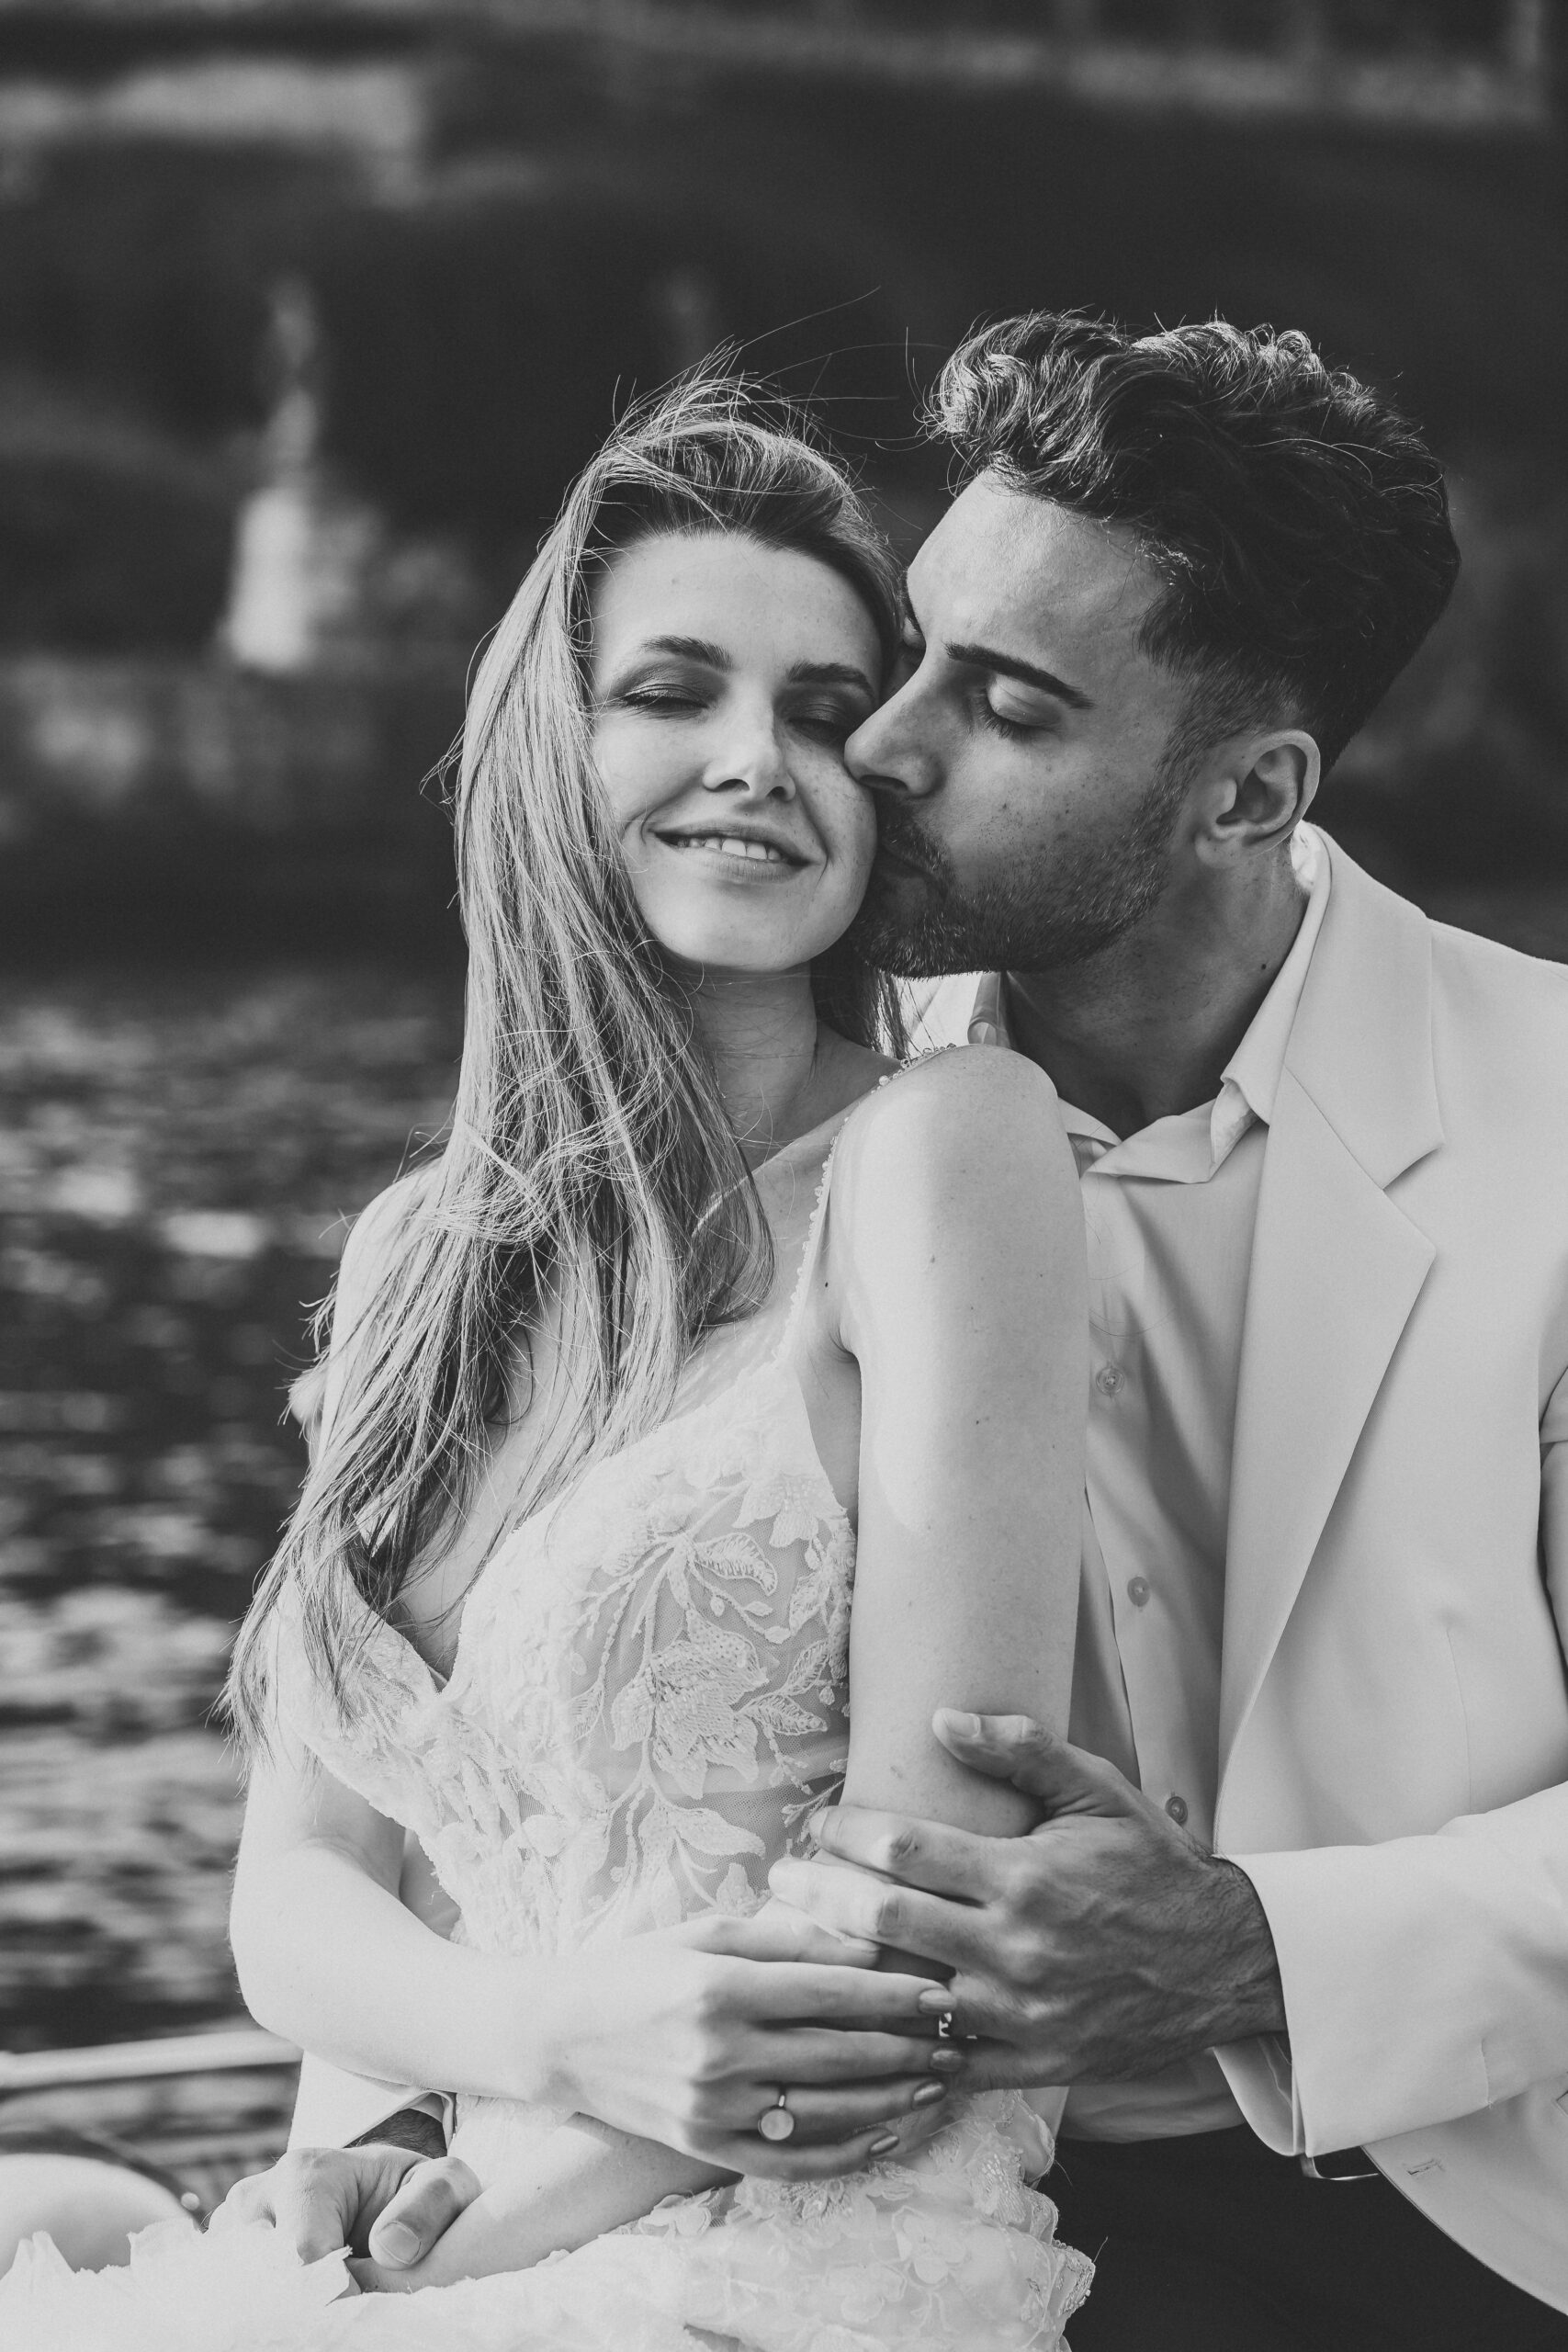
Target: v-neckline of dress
[[437, 1685]]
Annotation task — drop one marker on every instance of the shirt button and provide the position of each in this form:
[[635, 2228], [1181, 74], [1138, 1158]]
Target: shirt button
[[1177, 1808], [1138, 1591], [1109, 1379]]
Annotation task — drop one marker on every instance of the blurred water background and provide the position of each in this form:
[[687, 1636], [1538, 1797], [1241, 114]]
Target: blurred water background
[[307, 312]]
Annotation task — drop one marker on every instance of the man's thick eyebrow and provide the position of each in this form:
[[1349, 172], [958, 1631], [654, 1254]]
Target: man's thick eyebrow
[[830, 673], [1007, 665]]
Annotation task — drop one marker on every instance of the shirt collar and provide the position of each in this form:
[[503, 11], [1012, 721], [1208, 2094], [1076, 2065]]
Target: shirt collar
[[1258, 1064], [1191, 1146]]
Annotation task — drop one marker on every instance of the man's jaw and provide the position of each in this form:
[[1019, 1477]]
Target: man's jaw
[[904, 925]]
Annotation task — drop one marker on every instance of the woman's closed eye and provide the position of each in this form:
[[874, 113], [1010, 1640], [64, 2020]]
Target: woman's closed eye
[[831, 720], [660, 699]]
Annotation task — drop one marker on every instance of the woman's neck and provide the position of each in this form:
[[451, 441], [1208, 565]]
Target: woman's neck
[[778, 1073]]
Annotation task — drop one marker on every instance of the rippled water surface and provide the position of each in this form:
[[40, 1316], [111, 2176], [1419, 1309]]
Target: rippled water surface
[[178, 1154]]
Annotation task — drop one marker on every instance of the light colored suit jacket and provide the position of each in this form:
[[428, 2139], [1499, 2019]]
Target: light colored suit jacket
[[1393, 1735]]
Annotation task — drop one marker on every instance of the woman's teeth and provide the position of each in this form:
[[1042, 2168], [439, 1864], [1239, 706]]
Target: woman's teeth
[[731, 845]]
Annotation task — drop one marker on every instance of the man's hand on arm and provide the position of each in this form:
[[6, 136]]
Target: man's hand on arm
[[1105, 1944], [380, 2200]]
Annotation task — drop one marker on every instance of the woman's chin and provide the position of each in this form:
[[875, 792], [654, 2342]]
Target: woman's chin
[[713, 958]]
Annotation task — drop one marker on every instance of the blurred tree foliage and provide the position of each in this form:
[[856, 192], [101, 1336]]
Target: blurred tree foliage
[[575, 227]]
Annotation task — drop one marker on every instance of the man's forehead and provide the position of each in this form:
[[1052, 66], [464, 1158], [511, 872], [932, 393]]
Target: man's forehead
[[1003, 563]]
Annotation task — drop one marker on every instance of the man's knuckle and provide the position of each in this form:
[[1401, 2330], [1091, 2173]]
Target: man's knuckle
[[1009, 1871], [1017, 1955]]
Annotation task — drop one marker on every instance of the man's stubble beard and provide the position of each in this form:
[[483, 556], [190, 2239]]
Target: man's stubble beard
[[1062, 911]]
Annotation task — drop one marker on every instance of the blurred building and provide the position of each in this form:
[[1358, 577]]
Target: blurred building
[[309, 308]]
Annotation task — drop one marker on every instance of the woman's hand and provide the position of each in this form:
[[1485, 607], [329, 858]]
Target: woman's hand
[[687, 2035]]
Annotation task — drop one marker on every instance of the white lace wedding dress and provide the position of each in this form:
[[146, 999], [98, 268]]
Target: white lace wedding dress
[[649, 1698]]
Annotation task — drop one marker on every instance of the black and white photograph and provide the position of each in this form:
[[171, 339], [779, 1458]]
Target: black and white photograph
[[783, 1176]]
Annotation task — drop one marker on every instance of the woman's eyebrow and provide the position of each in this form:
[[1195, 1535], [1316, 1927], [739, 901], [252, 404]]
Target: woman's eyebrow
[[690, 649], [1007, 665], [830, 673]]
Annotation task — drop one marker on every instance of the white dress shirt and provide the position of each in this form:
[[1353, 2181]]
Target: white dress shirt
[[1169, 1214]]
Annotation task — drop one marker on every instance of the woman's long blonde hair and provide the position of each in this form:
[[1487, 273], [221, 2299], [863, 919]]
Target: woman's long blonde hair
[[590, 1161]]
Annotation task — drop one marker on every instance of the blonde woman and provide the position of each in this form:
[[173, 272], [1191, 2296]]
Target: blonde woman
[[702, 1316]]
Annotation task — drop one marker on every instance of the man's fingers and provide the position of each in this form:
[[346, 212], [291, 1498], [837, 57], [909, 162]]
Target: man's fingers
[[246, 2201], [900, 1918], [1015, 1749], [917, 1853], [429, 2200], [315, 2196]]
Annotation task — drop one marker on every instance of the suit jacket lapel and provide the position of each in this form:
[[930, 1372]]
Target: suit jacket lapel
[[1337, 1265]]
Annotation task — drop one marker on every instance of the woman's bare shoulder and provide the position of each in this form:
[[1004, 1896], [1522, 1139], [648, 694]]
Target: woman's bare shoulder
[[968, 1123], [378, 1229], [372, 1242], [953, 1099]]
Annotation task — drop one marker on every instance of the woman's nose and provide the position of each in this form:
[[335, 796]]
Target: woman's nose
[[751, 754]]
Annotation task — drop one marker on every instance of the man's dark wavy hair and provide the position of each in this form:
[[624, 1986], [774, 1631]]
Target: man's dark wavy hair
[[1299, 521]]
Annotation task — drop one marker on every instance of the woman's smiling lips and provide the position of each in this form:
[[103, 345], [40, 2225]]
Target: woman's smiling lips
[[756, 855]]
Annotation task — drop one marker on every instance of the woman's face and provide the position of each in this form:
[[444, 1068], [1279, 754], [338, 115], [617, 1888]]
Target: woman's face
[[726, 678]]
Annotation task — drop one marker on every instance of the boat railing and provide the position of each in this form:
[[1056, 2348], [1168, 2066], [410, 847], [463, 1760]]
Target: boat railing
[[204, 2109], [240, 2049]]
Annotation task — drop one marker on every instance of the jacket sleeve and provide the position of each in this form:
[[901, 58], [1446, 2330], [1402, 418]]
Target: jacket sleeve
[[1423, 1977]]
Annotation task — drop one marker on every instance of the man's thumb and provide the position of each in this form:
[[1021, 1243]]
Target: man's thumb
[[1016, 1748], [429, 2200]]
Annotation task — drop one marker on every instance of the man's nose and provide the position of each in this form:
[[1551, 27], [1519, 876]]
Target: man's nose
[[886, 750]]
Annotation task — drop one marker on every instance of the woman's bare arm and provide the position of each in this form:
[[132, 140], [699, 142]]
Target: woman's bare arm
[[956, 1266], [658, 2034], [955, 1270]]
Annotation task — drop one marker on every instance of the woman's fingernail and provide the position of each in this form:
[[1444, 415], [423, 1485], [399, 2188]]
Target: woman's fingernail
[[945, 2059], [886, 2145], [966, 1726], [936, 2003], [821, 1825], [397, 2244], [929, 2093]]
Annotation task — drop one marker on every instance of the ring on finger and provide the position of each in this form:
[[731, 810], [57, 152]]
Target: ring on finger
[[776, 2122]]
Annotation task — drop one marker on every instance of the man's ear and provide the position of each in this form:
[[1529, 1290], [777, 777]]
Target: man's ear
[[1262, 791]]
